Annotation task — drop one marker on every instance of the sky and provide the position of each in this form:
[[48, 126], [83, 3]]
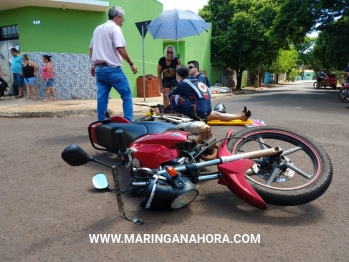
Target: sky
[[193, 5]]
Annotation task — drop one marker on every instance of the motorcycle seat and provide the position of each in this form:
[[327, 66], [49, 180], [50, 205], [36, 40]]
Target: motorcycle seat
[[157, 127], [106, 137]]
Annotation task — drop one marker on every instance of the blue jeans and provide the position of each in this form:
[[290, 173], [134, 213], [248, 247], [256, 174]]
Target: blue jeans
[[18, 79], [108, 77]]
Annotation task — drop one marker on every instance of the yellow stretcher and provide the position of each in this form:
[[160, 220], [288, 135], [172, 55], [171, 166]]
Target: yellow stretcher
[[236, 122]]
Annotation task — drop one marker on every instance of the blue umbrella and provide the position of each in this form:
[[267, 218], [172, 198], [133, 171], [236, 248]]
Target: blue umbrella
[[176, 24]]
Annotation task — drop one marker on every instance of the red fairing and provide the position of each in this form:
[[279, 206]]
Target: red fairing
[[119, 119], [233, 176], [155, 149]]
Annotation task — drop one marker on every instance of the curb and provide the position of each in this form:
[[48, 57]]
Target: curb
[[58, 114], [141, 107]]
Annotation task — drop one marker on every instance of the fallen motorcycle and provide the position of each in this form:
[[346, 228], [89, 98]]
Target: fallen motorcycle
[[261, 165]]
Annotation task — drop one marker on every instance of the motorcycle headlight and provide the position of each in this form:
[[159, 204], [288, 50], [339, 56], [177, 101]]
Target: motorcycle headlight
[[184, 196], [161, 194]]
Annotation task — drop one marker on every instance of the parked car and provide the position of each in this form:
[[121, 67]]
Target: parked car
[[332, 80]]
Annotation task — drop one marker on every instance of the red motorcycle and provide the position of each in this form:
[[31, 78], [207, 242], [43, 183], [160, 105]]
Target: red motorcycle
[[261, 165]]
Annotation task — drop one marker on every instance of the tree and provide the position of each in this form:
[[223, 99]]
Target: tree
[[286, 60], [305, 54], [296, 18], [239, 28], [331, 50]]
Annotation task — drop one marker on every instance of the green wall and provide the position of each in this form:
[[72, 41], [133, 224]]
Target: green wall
[[70, 31], [59, 31], [197, 48]]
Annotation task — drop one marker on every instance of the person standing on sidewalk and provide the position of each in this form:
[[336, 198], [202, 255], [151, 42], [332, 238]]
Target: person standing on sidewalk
[[167, 72], [16, 68], [48, 76], [107, 49], [29, 72]]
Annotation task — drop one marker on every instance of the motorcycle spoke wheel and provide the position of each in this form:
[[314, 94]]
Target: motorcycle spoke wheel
[[343, 95], [302, 173]]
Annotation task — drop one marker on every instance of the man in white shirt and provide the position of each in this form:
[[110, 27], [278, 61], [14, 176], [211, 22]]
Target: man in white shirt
[[107, 49]]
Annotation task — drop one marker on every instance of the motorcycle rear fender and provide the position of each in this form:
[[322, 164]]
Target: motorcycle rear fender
[[233, 176], [92, 127]]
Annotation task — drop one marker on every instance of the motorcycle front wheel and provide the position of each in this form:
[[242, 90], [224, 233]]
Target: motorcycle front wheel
[[302, 173], [343, 95]]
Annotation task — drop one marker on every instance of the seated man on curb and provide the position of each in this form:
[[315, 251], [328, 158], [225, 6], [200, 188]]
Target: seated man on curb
[[191, 91]]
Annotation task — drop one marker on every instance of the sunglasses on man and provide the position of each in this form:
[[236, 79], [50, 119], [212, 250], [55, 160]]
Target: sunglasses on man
[[191, 67]]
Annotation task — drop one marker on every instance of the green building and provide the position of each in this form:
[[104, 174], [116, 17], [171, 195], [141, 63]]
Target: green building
[[63, 29]]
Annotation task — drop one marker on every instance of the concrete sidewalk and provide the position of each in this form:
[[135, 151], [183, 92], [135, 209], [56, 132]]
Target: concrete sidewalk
[[12, 107]]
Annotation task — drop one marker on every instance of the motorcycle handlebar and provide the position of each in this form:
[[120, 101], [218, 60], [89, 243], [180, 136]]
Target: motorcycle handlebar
[[225, 159]]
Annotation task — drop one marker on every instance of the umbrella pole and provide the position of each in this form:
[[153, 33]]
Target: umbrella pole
[[143, 63], [178, 48]]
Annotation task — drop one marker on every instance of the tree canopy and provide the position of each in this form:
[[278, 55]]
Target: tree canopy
[[251, 33], [239, 28]]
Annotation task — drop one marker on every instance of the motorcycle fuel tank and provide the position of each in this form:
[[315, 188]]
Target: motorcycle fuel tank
[[155, 149]]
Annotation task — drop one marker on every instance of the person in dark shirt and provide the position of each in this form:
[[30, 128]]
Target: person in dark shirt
[[191, 91], [167, 72], [29, 69], [194, 71], [3, 87]]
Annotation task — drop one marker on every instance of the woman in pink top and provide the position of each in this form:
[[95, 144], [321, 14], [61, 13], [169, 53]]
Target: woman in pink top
[[47, 75]]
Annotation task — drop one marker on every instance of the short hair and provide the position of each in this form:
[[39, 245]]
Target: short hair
[[48, 57], [25, 56], [14, 50], [115, 11], [196, 63], [183, 71], [174, 51]]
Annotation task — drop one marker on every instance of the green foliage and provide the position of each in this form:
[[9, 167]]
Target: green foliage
[[286, 60], [331, 50], [304, 49], [296, 18], [293, 74], [239, 28]]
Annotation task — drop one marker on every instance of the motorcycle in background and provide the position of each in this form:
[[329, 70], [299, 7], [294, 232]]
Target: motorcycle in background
[[343, 94]]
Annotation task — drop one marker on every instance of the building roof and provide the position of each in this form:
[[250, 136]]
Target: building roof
[[88, 5]]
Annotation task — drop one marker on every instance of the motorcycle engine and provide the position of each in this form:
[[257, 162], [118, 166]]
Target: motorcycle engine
[[200, 135], [198, 128]]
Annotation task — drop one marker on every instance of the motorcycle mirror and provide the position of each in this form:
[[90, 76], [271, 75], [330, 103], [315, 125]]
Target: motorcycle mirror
[[100, 181], [75, 156]]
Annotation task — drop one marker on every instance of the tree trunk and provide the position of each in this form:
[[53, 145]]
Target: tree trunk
[[239, 78]]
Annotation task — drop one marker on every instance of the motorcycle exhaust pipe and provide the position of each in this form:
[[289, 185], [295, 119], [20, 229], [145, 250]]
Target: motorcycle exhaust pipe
[[212, 154]]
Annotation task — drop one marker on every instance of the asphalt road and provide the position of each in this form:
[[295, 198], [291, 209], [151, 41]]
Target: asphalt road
[[48, 209]]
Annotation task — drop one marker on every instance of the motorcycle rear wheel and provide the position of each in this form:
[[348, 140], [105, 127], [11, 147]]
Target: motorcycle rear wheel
[[343, 95], [301, 174]]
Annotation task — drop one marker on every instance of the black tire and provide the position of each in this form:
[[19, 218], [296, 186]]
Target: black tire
[[315, 85], [343, 95], [290, 186]]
